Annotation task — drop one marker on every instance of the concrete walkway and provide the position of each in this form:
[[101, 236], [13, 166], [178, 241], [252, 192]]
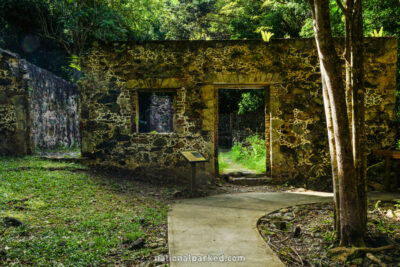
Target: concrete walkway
[[227, 225]]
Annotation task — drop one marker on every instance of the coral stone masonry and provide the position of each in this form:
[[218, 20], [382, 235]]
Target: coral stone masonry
[[191, 72], [142, 103], [38, 110]]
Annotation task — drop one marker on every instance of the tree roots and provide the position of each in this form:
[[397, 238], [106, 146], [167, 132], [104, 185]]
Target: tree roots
[[343, 253]]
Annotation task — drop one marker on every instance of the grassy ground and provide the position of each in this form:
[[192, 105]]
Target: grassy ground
[[229, 162], [222, 161], [62, 151], [77, 218], [247, 158]]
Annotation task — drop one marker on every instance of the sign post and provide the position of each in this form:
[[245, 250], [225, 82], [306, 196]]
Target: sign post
[[193, 157]]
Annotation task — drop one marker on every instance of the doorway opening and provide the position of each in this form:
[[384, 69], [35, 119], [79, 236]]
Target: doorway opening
[[241, 131]]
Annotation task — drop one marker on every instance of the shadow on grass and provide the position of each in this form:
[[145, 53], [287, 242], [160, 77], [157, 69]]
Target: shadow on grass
[[76, 216]]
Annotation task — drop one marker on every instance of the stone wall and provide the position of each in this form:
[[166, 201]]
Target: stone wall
[[54, 109], [37, 109], [15, 125], [194, 70]]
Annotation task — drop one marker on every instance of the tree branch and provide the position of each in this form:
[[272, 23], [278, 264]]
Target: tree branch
[[341, 6]]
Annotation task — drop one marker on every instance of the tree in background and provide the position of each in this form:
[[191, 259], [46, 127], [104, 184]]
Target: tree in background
[[76, 24], [20, 33], [190, 20], [232, 19], [71, 27]]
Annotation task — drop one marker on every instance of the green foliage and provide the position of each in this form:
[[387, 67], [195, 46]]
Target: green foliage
[[134, 236], [71, 27], [232, 19], [385, 227], [250, 157], [75, 63], [257, 146], [74, 149], [381, 223], [336, 18], [49, 32], [222, 163], [307, 30], [377, 205], [185, 19], [251, 101], [266, 35], [72, 218], [81, 23], [285, 19], [375, 33], [329, 237]]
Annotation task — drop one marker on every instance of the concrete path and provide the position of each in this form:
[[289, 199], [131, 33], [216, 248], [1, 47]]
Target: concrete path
[[227, 225]]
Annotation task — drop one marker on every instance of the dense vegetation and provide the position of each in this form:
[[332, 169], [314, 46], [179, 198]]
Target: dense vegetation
[[64, 29]]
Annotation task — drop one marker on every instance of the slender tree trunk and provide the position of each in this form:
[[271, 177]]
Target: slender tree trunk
[[351, 224], [355, 89], [332, 149], [358, 109]]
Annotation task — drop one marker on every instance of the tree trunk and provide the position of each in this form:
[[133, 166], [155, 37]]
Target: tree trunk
[[332, 149], [351, 224], [354, 56], [359, 138]]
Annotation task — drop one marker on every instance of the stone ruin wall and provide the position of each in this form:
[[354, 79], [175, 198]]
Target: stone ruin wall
[[288, 69], [15, 125], [54, 107], [37, 108]]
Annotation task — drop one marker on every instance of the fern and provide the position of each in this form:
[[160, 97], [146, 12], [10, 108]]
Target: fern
[[375, 33], [266, 35]]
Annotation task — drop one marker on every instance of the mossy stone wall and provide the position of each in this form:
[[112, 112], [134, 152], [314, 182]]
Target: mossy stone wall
[[288, 70], [37, 108]]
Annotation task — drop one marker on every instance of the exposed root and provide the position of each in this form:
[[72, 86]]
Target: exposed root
[[376, 260], [343, 253], [301, 260]]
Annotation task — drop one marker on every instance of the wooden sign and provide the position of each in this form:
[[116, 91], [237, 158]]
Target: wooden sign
[[193, 156]]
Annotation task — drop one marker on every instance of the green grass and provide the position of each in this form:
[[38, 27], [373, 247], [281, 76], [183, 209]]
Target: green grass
[[75, 148], [222, 163], [251, 158], [74, 218]]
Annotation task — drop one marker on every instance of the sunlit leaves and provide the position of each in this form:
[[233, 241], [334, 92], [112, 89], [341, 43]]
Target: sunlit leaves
[[376, 33], [266, 36]]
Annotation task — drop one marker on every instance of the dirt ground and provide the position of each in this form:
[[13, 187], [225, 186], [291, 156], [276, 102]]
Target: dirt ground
[[303, 235]]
